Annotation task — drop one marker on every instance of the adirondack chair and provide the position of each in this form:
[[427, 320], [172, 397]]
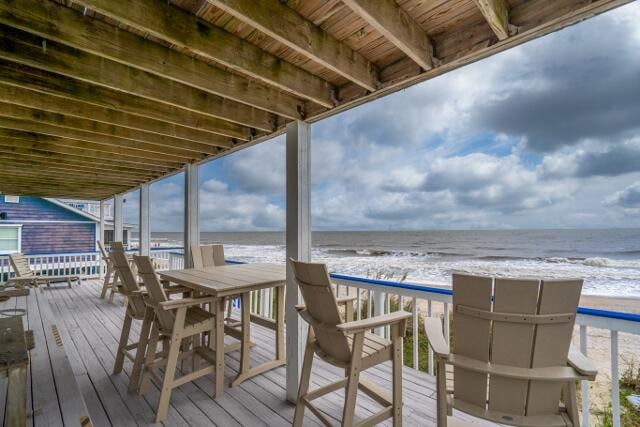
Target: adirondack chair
[[26, 277], [212, 256], [346, 344], [110, 275], [512, 362], [136, 310], [175, 321]]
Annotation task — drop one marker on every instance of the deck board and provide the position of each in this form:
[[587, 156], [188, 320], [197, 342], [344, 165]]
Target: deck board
[[89, 330]]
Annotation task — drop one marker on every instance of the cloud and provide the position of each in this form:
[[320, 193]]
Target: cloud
[[259, 169], [627, 198]]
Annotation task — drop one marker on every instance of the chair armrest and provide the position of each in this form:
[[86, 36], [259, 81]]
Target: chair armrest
[[185, 302], [435, 336], [345, 300], [373, 322], [582, 364]]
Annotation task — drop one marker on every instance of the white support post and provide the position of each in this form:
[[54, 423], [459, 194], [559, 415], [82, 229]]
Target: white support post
[[298, 160], [144, 223], [101, 228], [191, 211], [584, 383], [118, 233]]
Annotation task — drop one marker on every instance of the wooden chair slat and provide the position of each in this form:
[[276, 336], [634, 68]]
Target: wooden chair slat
[[512, 343], [552, 342], [471, 335]]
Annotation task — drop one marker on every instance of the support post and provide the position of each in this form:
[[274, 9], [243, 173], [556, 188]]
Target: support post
[[118, 234], [100, 236], [144, 223], [191, 212], [298, 238]]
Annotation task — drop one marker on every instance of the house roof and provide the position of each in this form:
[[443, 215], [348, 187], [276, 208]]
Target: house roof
[[80, 212], [99, 96]]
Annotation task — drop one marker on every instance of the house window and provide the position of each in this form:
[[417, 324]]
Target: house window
[[10, 239], [12, 199]]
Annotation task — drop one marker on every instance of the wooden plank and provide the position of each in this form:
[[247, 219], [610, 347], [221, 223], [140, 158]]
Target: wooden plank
[[179, 27], [496, 13], [8, 160], [287, 26], [66, 26], [123, 124], [9, 169], [26, 130], [43, 82], [24, 48], [30, 143], [398, 27], [85, 129]]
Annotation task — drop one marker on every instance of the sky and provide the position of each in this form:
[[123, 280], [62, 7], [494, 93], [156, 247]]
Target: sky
[[545, 135]]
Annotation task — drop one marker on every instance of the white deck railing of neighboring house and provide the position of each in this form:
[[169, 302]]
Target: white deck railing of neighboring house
[[381, 293]]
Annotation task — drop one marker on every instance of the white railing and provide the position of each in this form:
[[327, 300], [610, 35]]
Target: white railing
[[85, 264], [425, 300], [81, 263]]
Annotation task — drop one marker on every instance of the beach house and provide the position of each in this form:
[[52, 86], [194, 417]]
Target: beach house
[[99, 98], [38, 225]]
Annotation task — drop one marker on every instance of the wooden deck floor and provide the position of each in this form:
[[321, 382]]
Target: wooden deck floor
[[88, 328]]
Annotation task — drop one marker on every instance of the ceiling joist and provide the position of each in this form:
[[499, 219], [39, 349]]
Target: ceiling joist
[[179, 27], [496, 13], [396, 26]]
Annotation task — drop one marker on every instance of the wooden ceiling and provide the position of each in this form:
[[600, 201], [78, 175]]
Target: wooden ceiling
[[98, 96]]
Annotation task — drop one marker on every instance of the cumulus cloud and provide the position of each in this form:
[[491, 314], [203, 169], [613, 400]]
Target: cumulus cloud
[[627, 198]]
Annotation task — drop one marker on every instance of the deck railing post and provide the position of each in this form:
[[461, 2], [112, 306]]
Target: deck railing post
[[298, 238], [191, 211], [100, 236], [118, 233], [145, 228]]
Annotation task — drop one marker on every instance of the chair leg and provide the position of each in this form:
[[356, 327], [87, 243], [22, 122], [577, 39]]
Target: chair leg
[[105, 284], [124, 340], [441, 392], [134, 381], [304, 383], [397, 376], [353, 372], [114, 286], [571, 402], [170, 368], [150, 356]]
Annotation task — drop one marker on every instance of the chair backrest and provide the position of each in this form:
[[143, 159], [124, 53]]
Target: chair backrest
[[524, 323], [207, 256], [20, 265], [321, 308], [103, 251], [128, 279], [155, 291]]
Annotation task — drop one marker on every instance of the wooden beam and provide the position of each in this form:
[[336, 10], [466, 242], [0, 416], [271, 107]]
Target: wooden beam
[[87, 130], [398, 27], [43, 171], [24, 48], [63, 166], [30, 131], [44, 189], [41, 81], [55, 22], [182, 29], [496, 13], [17, 179], [57, 152], [287, 26], [127, 124]]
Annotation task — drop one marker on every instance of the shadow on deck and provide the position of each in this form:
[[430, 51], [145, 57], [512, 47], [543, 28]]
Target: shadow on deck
[[88, 328]]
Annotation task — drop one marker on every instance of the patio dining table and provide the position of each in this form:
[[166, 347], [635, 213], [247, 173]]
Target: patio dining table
[[232, 280]]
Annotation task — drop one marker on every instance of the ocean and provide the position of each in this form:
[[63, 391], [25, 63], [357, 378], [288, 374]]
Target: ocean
[[608, 260]]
